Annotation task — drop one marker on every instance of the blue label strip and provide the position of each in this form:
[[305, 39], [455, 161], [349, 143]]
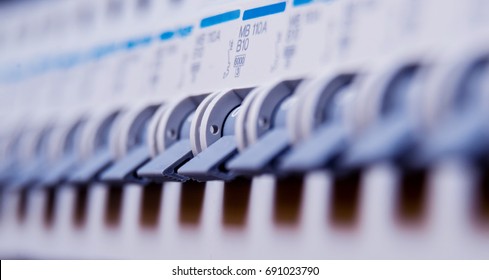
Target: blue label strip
[[180, 32], [185, 31], [264, 11], [102, 51], [131, 44], [220, 18], [167, 35], [302, 2]]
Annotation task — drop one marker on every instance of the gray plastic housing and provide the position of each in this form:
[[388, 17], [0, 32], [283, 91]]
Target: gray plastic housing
[[101, 157], [210, 163], [124, 169], [164, 166]]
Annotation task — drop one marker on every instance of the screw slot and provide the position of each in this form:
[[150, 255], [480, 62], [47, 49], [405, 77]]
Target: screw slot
[[263, 122], [171, 133], [214, 129]]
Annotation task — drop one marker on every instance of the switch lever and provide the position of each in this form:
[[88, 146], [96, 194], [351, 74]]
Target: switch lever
[[164, 166], [212, 136], [69, 159], [208, 165], [91, 169], [171, 143], [137, 154], [265, 137], [319, 123], [29, 173], [317, 151], [100, 157], [124, 170], [393, 133]]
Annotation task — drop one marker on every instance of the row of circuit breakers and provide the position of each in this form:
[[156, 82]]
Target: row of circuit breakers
[[413, 99]]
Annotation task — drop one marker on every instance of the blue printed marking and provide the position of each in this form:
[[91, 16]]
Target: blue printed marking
[[220, 18], [68, 60], [102, 51], [185, 31], [11, 74], [17, 70], [131, 44], [180, 32], [264, 11], [302, 2], [167, 35], [42, 65]]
